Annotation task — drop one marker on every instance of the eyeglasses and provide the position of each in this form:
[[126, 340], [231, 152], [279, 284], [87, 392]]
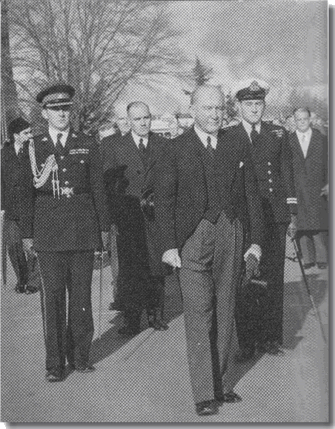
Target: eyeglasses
[[66, 108]]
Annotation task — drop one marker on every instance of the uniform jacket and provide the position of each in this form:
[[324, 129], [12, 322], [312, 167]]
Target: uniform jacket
[[71, 222], [121, 156], [13, 196], [181, 189], [310, 175], [272, 159]]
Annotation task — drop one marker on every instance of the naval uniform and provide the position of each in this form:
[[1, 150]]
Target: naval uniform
[[65, 225], [261, 320]]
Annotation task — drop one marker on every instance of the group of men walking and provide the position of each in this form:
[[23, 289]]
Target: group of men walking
[[213, 204]]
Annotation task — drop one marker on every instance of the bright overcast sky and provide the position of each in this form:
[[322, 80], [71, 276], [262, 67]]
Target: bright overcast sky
[[283, 42]]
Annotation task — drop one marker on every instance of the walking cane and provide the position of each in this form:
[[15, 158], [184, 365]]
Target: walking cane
[[100, 286], [316, 312]]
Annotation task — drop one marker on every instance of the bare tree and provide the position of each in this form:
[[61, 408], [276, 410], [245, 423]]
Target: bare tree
[[98, 46], [200, 74]]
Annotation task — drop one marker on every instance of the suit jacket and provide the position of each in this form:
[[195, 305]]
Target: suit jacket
[[70, 222], [13, 196], [181, 188], [272, 159], [121, 153], [310, 175]]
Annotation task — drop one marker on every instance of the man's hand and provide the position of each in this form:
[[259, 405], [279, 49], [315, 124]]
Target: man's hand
[[28, 246], [325, 191], [105, 239], [171, 257], [293, 227], [251, 267]]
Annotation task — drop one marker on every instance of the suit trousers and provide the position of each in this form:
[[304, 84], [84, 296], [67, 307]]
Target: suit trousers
[[211, 263], [313, 246], [72, 270], [13, 240]]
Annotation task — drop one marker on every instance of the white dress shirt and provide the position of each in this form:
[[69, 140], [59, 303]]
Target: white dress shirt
[[137, 139], [304, 140], [203, 137], [17, 147], [54, 133], [248, 127]]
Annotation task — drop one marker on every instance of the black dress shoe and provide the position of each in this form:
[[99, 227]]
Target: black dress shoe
[[308, 266], [85, 369], [158, 325], [245, 354], [230, 397], [54, 375], [206, 408], [19, 288], [271, 347], [322, 265], [31, 289]]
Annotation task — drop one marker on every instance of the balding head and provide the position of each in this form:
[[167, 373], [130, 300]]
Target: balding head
[[139, 118], [207, 108]]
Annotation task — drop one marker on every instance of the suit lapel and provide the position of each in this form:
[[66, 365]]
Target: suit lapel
[[71, 141], [296, 147], [312, 145]]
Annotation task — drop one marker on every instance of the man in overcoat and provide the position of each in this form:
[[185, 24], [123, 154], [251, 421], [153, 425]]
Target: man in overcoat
[[310, 164], [205, 197], [68, 222], [259, 316], [14, 203], [129, 169]]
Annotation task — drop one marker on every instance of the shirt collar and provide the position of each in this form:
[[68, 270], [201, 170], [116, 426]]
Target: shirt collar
[[248, 127], [203, 137], [137, 138], [307, 133], [53, 134]]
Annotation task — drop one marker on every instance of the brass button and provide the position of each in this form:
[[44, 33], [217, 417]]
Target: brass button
[[270, 180], [269, 163], [64, 169], [62, 157], [269, 172], [270, 189], [66, 182]]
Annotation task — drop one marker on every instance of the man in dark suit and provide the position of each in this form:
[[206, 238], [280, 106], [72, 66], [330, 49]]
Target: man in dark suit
[[14, 204], [68, 222], [130, 167], [310, 165], [259, 316], [120, 119], [205, 196]]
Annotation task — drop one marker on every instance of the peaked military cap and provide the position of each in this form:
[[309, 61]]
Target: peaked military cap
[[251, 89], [60, 94]]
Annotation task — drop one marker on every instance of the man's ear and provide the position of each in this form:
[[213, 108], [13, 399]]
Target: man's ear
[[44, 114]]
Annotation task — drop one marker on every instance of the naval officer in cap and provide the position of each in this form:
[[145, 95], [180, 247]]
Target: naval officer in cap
[[68, 222], [259, 316]]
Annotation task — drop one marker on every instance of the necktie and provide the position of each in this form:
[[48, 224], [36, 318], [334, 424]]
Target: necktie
[[253, 134], [20, 153], [59, 145], [141, 147], [209, 147]]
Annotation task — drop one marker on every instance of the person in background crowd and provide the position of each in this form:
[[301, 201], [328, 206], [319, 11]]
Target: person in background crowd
[[310, 163], [68, 222], [120, 119], [129, 170], [290, 124], [15, 205], [259, 317], [205, 194]]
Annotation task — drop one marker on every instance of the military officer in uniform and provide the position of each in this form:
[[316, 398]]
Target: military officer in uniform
[[69, 221], [131, 162], [14, 204], [259, 316]]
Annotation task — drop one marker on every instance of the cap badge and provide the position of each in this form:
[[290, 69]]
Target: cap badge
[[254, 86]]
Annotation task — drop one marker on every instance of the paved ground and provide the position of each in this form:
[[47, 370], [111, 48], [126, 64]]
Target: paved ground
[[146, 379]]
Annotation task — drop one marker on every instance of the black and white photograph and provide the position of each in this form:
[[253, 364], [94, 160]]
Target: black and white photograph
[[165, 211]]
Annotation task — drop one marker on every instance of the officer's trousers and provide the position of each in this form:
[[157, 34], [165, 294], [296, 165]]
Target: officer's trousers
[[72, 339], [211, 262]]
